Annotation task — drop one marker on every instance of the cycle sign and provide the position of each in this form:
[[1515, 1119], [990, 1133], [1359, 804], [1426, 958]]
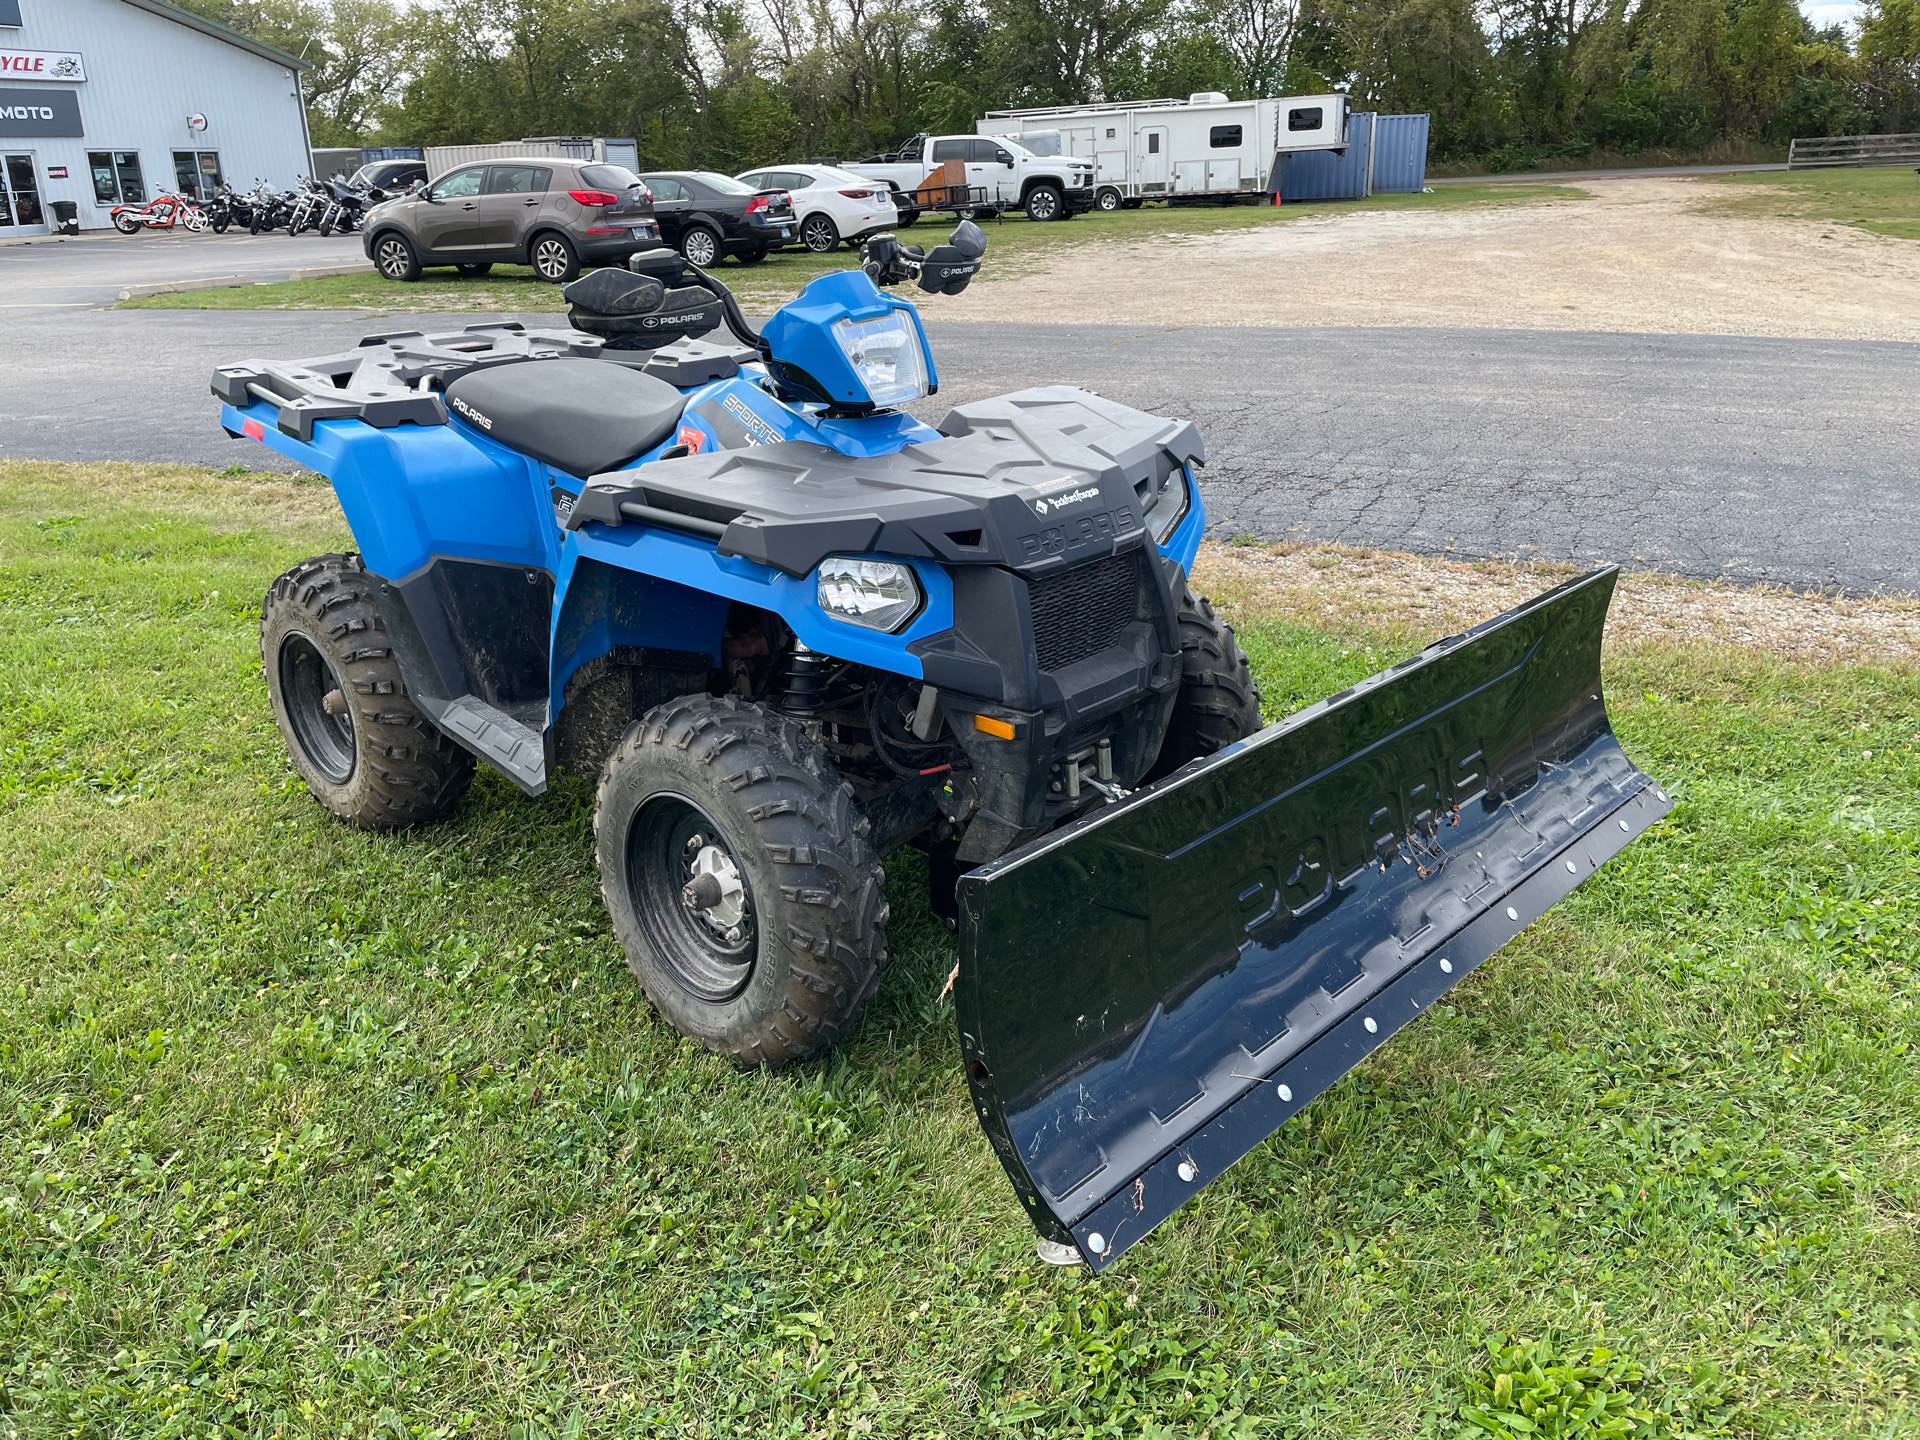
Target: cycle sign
[[65, 66]]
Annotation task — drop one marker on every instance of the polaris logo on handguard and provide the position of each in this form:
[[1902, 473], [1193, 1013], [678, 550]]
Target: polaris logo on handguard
[[1049, 504], [485, 422]]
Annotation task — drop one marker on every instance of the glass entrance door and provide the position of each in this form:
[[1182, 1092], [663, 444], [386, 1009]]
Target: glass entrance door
[[20, 195]]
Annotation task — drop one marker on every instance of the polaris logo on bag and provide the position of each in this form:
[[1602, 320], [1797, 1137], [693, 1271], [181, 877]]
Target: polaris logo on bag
[[1052, 504], [485, 422], [654, 322]]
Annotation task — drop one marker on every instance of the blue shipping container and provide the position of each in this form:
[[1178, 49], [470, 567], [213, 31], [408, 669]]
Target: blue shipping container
[[1400, 154], [1345, 174]]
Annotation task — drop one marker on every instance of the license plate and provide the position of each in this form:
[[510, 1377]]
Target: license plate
[[786, 232], [643, 232]]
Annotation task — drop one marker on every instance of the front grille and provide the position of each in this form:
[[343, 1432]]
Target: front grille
[[1081, 611]]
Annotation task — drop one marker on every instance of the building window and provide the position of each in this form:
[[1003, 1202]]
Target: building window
[[197, 173], [1224, 137], [1305, 119], [116, 177], [1153, 142], [1110, 134]]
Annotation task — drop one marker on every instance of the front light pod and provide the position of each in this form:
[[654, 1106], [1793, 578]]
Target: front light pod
[[885, 352], [877, 594]]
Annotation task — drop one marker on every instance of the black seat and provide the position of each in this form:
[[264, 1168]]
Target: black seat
[[580, 416]]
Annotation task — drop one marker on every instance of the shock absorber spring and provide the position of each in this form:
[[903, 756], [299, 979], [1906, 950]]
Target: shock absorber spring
[[802, 673]]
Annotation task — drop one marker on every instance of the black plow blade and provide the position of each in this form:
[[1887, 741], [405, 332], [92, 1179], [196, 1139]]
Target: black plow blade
[[1148, 994]]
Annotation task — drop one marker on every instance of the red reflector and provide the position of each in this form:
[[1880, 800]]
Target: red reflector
[[595, 197], [254, 430], [606, 230]]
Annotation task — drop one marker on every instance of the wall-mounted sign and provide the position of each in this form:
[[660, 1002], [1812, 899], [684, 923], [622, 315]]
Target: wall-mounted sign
[[10, 13], [47, 114], [42, 65], [196, 122], [56, 172]]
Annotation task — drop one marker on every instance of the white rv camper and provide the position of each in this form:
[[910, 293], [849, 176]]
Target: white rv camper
[[1203, 146]]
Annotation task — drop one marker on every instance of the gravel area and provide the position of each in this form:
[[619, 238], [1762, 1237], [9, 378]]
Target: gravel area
[[1652, 256], [1430, 596]]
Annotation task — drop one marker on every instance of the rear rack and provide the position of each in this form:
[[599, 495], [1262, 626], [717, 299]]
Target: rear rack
[[390, 379]]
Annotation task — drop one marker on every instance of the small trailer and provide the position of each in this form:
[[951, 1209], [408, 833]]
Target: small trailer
[[1205, 147]]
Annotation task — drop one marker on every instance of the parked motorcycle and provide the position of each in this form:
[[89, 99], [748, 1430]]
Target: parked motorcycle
[[229, 208], [347, 207], [162, 212], [272, 209], [309, 201]]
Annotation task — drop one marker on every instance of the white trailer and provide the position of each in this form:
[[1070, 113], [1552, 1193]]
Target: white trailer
[[1205, 146]]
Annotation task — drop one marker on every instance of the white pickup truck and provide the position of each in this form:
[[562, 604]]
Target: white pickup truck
[[1008, 175]]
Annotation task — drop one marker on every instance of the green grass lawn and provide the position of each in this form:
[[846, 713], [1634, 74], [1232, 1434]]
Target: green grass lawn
[[310, 1131], [1885, 201], [1016, 246]]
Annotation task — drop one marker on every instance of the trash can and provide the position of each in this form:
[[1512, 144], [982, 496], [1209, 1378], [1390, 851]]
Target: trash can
[[66, 217]]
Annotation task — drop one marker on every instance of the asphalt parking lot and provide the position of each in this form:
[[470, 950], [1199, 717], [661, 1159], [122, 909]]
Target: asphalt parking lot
[[54, 272], [1713, 457], [1789, 462]]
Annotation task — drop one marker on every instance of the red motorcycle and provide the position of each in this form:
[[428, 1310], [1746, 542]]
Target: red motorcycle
[[162, 212]]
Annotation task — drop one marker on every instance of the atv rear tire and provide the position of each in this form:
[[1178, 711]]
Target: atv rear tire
[[364, 748], [776, 960], [1218, 702]]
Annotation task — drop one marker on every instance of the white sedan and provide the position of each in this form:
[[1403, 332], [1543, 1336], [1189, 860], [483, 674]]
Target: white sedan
[[831, 204]]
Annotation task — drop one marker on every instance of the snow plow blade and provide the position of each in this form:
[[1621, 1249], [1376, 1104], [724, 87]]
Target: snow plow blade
[[1147, 994]]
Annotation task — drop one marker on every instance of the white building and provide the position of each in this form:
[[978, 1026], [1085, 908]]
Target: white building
[[104, 102]]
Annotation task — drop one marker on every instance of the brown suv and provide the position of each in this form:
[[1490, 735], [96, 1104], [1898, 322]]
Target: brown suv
[[552, 214]]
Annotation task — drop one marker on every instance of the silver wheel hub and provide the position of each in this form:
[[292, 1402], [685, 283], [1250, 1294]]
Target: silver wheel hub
[[714, 891]]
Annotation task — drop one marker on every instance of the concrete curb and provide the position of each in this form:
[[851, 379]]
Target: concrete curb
[[235, 282]]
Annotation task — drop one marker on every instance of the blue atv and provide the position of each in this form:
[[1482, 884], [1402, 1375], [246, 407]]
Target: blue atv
[[790, 629]]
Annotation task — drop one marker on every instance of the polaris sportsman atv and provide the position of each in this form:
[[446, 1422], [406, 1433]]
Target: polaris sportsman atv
[[791, 629]]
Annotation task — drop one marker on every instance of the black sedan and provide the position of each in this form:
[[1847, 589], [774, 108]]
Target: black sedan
[[704, 215]]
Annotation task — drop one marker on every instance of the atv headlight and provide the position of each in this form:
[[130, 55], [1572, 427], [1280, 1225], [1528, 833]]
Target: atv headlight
[[879, 594], [1169, 507], [887, 356]]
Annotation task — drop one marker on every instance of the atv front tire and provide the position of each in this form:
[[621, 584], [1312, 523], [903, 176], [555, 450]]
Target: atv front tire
[[364, 748], [740, 879], [1218, 702]]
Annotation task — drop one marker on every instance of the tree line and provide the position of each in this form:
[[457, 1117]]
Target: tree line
[[731, 83]]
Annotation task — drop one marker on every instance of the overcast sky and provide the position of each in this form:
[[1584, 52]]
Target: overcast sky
[[1826, 12]]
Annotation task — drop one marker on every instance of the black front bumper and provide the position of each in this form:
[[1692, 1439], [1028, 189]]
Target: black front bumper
[[1082, 668], [1078, 202]]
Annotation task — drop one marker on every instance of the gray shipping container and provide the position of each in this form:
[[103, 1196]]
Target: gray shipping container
[[1333, 174], [442, 158], [1400, 154]]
